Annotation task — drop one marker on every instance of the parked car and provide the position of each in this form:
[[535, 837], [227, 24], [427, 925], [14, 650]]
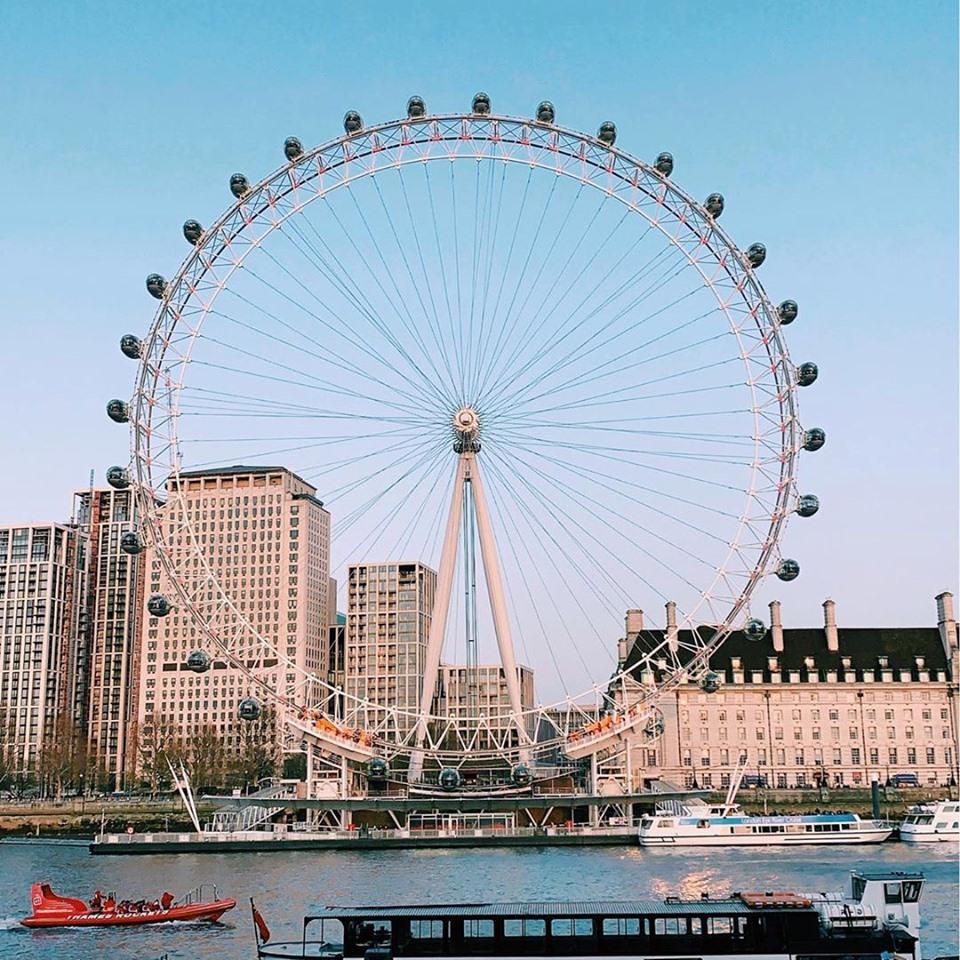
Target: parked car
[[905, 780]]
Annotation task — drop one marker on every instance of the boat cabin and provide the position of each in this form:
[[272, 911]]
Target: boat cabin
[[671, 927], [747, 924]]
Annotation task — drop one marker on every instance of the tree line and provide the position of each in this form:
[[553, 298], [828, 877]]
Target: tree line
[[66, 766]]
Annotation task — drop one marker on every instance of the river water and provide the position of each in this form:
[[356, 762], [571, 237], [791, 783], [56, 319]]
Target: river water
[[288, 885]]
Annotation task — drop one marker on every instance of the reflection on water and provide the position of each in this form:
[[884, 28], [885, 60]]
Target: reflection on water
[[287, 886]]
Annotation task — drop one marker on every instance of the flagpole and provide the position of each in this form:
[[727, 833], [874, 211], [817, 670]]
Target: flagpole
[[256, 931]]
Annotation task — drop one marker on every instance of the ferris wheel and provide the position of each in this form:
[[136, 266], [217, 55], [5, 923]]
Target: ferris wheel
[[511, 352]]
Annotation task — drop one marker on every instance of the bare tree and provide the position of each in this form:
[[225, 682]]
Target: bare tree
[[8, 751], [208, 759], [62, 759], [159, 741], [259, 752]]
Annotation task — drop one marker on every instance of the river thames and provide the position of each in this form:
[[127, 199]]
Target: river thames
[[288, 885]]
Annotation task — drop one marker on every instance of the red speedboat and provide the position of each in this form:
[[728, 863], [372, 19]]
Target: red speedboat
[[52, 910]]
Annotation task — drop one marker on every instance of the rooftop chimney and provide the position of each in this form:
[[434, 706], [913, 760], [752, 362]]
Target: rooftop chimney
[[830, 625], [776, 626], [946, 622], [634, 621], [672, 626]]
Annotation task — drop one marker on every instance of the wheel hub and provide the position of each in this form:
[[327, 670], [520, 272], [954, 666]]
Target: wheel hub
[[466, 428]]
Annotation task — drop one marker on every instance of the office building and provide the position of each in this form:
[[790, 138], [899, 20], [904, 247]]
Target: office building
[[389, 609], [261, 534], [830, 705], [42, 644], [111, 616]]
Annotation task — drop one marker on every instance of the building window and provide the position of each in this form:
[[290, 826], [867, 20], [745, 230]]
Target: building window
[[912, 755]]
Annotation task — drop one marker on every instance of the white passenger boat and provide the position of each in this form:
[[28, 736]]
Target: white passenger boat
[[932, 823], [694, 823], [880, 917]]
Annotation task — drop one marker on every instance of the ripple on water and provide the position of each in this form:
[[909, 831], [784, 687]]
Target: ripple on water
[[287, 886]]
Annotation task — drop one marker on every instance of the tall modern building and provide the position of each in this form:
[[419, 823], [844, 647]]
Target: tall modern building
[[265, 537], [389, 608], [42, 646], [481, 692], [111, 618]]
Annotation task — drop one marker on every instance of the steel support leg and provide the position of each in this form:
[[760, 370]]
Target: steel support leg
[[438, 621]]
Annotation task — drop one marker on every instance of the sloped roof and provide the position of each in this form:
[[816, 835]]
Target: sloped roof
[[863, 645]]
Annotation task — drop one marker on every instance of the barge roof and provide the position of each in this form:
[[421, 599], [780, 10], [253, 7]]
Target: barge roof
[[554, 909]]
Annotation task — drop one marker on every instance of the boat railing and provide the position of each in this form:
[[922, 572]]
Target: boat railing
[[280, 832], [205, 893]]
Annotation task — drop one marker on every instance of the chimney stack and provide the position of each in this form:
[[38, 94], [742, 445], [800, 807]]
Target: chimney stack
[[776, 626], [672, 626], [830, 625], [634, 621], [946, 622]]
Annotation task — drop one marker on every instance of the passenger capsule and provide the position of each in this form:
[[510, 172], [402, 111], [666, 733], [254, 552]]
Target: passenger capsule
[[788, 570], [198, 661], [756, 254], [807, 373], [449, 778], [607, 133], [755, 629], [131, 346], [352, 122], [787, 311], [118, 411], [249, 709], [192, 231], [158, 605], [156, 285], [239, 185], [814, 438], [292, 148], [481, 105], [664, 164], [416, 108], [714, 205], [520, 775], [545, 112], [378, 770], [710, 682], [118, 478], [131, 543], [808, 505]]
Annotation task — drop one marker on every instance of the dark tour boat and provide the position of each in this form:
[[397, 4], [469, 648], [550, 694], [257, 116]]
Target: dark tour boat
[[878, 920]]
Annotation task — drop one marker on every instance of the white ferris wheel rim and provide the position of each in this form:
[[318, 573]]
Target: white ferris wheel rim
[[280, 196]]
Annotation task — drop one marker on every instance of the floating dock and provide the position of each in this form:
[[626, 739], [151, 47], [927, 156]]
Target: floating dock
[[263, 841]]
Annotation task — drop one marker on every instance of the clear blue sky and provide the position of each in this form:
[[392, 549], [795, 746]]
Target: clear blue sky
[[831, 128]]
